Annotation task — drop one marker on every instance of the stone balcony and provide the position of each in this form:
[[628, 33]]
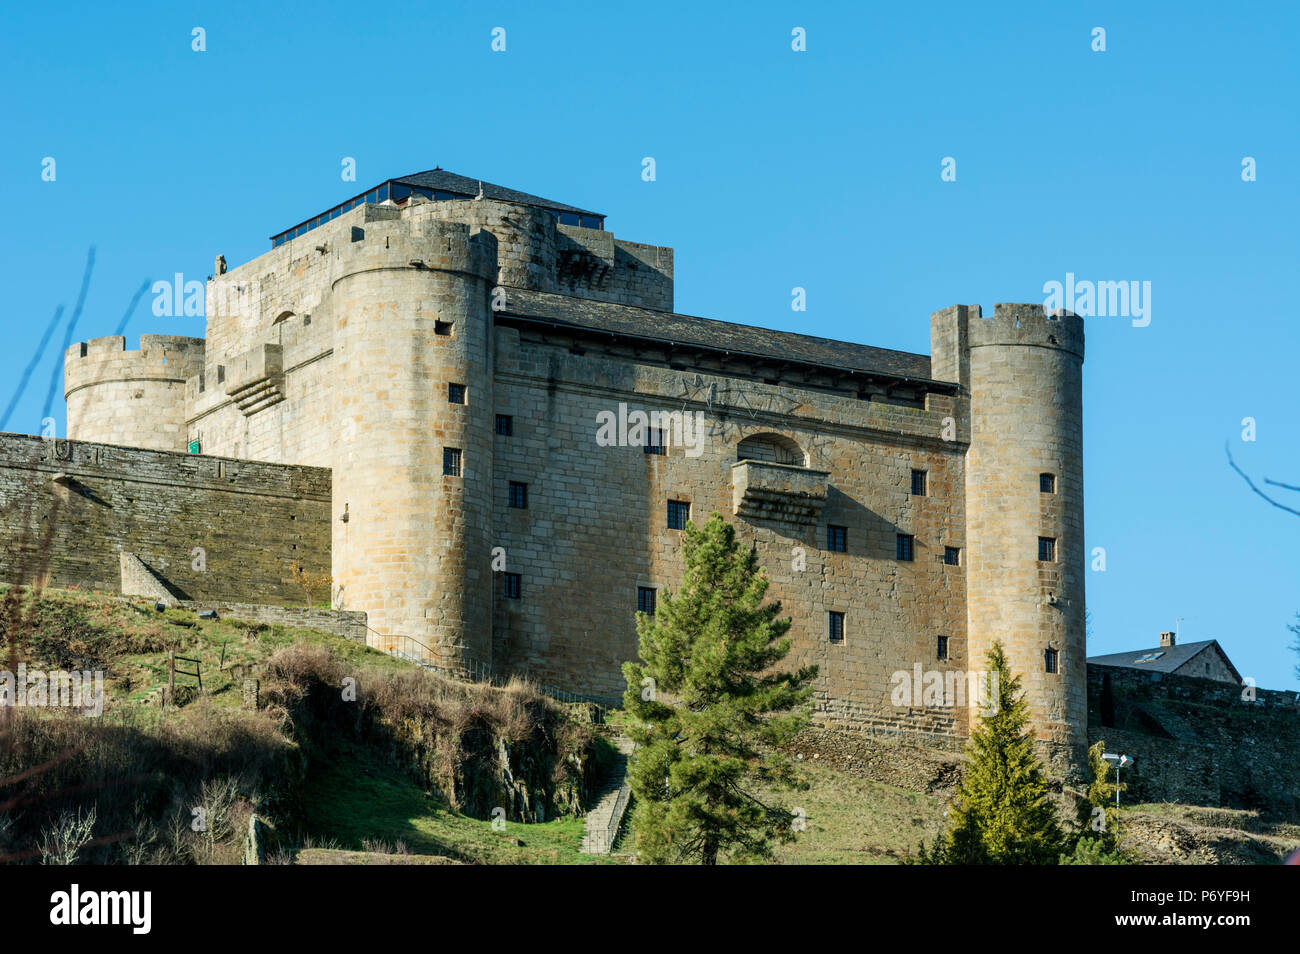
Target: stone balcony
[[255, 379], [780, 492]]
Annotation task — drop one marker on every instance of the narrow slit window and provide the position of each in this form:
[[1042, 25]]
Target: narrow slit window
[[512, 585]]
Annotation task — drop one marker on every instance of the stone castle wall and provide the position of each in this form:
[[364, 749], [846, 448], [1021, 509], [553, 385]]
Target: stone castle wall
[[67, 509], [1199, 741], [595, 528]]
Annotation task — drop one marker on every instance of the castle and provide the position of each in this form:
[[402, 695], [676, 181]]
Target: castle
[[476, 410]]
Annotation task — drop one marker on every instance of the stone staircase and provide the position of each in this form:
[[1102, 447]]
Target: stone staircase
[[606, 816]]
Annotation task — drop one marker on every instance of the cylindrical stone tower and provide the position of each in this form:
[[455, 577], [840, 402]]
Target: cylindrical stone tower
[[1024, 515], [131, 398], [413, 443]]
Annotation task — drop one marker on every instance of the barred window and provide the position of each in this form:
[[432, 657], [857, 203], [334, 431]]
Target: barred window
[[512, 583], [451, 461], [518, 496], [645, 600], [1050, 661], [952, 556], [679, 513], [941, 651], [1047, 549], [905, 546], [456, 393], [837, 539], [835, 626], [918, 483], [1047, 483], [505, 425]]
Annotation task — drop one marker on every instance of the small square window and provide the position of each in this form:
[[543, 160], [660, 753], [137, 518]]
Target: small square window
[[451, 462], [505, 425], [905, 546], [442, 328], [1047, 549], [837, 539], [941, 650], [518, 495], [645, 600], [835, 626], [918, 483], [1047, 483], [655, 442], [456, 393], [952, 556], [679, 513], [1051, 663], [511, 585]]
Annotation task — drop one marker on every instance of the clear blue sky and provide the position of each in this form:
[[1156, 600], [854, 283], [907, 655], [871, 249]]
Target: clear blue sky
[[819, 169]]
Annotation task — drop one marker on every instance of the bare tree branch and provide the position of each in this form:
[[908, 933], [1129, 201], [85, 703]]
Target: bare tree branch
[[1251, 484]]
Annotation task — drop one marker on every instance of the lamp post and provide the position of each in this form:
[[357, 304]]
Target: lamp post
[[1119, 761]]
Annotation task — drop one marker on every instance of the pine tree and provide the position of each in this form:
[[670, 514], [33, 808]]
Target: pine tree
[[709, 707], [1002, 814]]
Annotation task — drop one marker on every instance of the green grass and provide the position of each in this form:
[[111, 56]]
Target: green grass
[[228, 650], [352, 795], [853, 820]]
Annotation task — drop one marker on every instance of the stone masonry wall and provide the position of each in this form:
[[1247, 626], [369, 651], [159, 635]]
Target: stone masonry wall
[[595, 528], [67, 509], [1199, 741]]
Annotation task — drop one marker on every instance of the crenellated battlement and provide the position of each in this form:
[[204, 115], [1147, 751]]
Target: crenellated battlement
[[1026, 324], [430, 244], [159, 357], [133, 398]]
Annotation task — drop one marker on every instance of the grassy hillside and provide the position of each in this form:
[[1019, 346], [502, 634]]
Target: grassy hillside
[[408, 765]]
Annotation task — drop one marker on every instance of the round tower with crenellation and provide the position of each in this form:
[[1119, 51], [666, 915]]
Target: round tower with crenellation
[[413, 420], [1024, 514], [130, 398]]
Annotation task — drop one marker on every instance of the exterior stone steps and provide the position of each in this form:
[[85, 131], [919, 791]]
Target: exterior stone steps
[[604, 819]]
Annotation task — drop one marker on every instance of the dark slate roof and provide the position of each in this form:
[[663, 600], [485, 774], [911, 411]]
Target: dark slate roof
[[1174, 657], [665, 326], [451, 182]]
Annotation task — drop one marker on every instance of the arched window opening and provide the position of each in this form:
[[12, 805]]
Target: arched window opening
[[771, 449]]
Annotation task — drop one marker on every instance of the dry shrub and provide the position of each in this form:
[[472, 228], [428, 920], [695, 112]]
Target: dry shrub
[[141, 786]]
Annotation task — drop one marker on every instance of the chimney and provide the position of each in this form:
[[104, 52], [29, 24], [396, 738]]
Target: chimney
[[1166, 639]]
